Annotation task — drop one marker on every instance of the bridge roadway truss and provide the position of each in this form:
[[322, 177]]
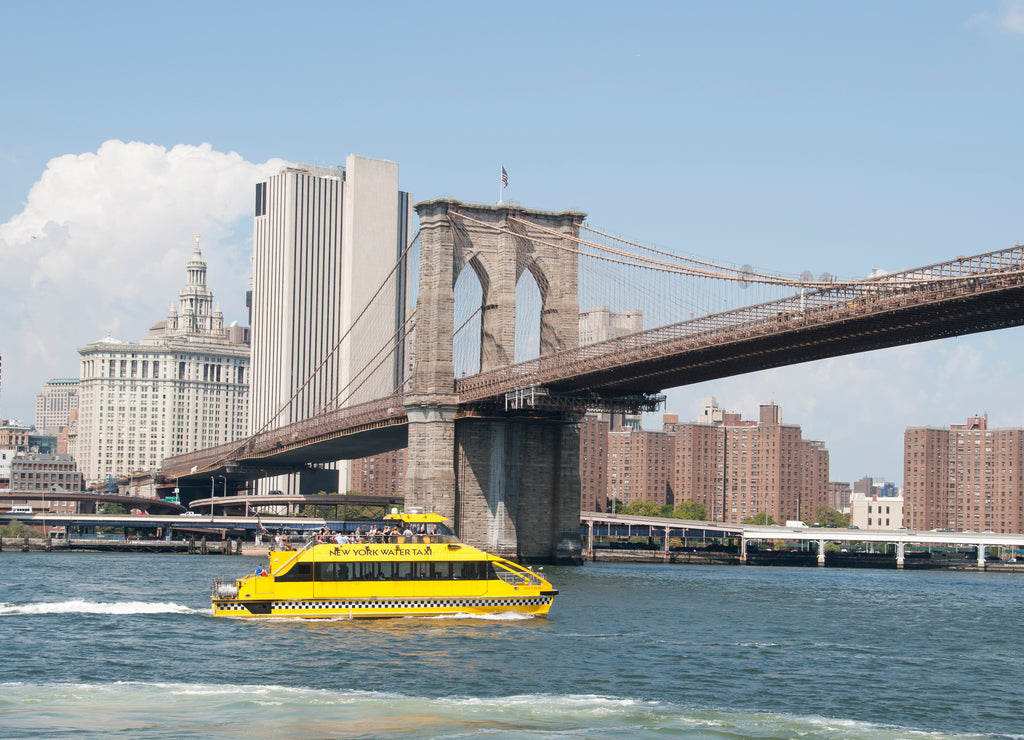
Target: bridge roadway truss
[[962, 296], [974, 294], [497, 408]]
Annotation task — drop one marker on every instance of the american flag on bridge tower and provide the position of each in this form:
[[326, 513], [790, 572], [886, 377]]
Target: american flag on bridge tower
[[504, 178]]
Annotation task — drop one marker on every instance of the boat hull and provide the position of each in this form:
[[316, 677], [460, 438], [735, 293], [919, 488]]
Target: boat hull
[[377, 608]]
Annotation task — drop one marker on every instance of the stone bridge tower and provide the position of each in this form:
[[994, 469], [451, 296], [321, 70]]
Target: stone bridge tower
[[510, 483]]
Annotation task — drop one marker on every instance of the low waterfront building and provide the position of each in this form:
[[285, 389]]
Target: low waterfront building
[[14, 435], [6, 458], [876, 512], [37, 475]]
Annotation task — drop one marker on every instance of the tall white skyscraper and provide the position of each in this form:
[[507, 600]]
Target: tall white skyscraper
[[325, 240], [184, 387]]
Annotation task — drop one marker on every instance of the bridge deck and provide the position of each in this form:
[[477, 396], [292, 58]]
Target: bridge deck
[[962, 296]]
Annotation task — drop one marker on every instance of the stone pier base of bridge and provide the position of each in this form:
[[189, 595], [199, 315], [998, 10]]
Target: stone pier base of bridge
[[513, 487]]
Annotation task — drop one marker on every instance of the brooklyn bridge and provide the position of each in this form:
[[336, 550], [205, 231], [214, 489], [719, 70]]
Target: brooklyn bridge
[[489, 411]]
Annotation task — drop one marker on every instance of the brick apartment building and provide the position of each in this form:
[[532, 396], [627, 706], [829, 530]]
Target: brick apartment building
[[736, 468], [594, 490], [378, 475], [640, 466], [965, 478]]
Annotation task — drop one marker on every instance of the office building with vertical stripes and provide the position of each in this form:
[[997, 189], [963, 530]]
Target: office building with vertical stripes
[[325, 241]]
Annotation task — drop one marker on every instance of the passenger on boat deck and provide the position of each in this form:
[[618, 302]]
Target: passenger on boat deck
[[341, 539], [407, 532], [260, 570], [278, 542], [359, 534], [373, 533]]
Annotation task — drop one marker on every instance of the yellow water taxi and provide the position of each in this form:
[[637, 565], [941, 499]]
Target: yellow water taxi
[[414, 566]]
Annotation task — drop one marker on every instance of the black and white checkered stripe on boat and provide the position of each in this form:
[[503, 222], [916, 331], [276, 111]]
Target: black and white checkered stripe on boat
[[386, 604]]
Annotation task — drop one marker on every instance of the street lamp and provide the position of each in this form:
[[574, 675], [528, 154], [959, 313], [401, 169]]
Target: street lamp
[[212, 481], [225, 487]]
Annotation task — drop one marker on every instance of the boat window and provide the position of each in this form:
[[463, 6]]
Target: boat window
[[332, 571], [372, 571], [298, 572], [472, 570], [412, 571]]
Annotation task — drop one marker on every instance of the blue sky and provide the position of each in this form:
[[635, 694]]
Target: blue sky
[[830, 137]]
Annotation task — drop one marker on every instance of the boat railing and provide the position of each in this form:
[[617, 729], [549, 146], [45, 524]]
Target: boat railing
[[283, 566], [524, 578], [392, 539]]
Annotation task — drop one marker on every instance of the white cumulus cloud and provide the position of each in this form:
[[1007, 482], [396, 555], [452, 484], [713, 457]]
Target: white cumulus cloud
[[1012, 18], [101, 247], [1009, 17]]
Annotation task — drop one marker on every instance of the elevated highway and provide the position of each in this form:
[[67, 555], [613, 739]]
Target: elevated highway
[[41, 500], [593, 523], [665, 528]]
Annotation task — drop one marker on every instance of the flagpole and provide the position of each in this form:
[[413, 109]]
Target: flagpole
[[501, 184]]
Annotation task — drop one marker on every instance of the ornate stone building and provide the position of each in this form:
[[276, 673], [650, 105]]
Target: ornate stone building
[[183, 387]]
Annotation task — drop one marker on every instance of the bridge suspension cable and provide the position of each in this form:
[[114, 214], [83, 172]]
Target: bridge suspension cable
[[643, 287], [243, 443], [379, 357], [680, 266]]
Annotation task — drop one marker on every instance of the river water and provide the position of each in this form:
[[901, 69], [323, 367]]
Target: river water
[[123, 646]]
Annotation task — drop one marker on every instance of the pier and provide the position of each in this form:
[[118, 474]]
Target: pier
[[805, 545], [606, 537], [192, 546]]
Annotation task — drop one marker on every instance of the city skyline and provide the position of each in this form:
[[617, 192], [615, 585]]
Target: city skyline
[[767, 136]]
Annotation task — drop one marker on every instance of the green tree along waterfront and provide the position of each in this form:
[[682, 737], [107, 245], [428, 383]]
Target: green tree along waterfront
[[642, 507], [826, 516], [19, 529], [111, 508], [693, 510]]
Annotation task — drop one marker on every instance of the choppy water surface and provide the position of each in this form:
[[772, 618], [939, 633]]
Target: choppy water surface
[[105, 645]]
